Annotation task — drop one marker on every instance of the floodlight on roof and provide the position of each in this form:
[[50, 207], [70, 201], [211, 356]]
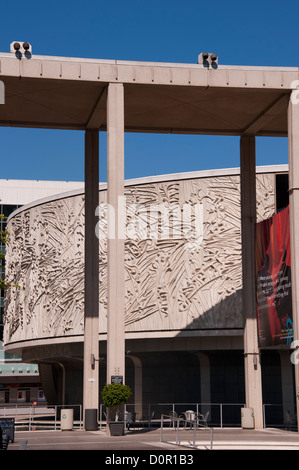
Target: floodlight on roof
[[20, 48], [208, 59]]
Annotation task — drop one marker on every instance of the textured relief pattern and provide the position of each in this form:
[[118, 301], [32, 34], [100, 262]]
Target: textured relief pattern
[[265, 197], [172, 283], [45, 257]]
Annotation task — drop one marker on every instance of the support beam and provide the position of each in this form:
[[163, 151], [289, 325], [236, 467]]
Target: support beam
[[116, 266], [268, 114], [293, 140], [253, 382], [91, 314]]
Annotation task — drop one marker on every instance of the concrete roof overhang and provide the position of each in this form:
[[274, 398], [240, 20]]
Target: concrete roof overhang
[[69, 93]]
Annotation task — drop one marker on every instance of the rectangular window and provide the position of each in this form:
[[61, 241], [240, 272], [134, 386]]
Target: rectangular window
[[8, 209]]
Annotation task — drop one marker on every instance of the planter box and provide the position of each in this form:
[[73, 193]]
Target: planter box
[[117, 428]]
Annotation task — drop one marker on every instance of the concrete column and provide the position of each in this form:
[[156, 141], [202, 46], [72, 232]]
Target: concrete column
[[137, 385], [91, 316], [253, 382], [115, 268], [293, 139]]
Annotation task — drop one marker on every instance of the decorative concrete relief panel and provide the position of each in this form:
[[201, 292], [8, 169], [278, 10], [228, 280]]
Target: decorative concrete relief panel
[[45, 258], [184, 282], [182, 259], [265, 197]]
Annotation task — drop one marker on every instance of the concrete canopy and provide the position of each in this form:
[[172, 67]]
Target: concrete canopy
[[67, 93]]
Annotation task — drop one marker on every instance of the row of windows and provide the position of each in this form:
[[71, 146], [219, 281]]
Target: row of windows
[[7, 209]]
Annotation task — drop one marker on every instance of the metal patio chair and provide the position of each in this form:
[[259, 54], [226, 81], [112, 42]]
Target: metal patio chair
[[202, 419], [130, 418]]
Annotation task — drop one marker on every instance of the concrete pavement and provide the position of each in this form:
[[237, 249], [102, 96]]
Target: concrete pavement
[[150, 440]]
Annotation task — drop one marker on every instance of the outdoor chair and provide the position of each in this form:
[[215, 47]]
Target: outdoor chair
[[130, 418], [288, 420], [147, 419], [173, 417], [202, 419]]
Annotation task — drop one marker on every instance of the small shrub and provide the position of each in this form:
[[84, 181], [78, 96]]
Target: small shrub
[[115, 394]]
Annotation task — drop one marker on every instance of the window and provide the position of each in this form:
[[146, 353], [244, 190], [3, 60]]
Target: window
[[282, 191]]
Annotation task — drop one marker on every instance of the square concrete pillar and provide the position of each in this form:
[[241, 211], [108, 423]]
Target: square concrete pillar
[[116, 264], [91, 290], [253, 382], [293, 140]]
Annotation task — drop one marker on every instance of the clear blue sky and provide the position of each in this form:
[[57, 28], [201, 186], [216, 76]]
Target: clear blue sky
[[263, 32]]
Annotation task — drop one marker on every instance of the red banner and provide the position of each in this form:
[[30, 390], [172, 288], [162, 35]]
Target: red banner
[[273, 281]]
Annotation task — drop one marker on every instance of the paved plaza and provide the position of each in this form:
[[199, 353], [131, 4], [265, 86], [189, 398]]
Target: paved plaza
[[150, 440]]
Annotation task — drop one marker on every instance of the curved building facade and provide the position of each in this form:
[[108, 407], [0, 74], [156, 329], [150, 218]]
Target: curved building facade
[[183, 279]]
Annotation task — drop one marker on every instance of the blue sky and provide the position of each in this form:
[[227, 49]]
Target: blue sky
[[263, 33]]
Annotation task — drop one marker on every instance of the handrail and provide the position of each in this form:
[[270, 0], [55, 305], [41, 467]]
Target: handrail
[[31, 412], [178, 420], [180, 407], [217, 416]]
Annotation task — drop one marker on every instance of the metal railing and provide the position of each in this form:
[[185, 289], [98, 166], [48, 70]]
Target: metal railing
[[30, 417], [279, 416], [220, 414], [43, 415], [180, 432]]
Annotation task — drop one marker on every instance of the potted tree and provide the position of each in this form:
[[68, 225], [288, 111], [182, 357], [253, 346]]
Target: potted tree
[[114, 396]]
